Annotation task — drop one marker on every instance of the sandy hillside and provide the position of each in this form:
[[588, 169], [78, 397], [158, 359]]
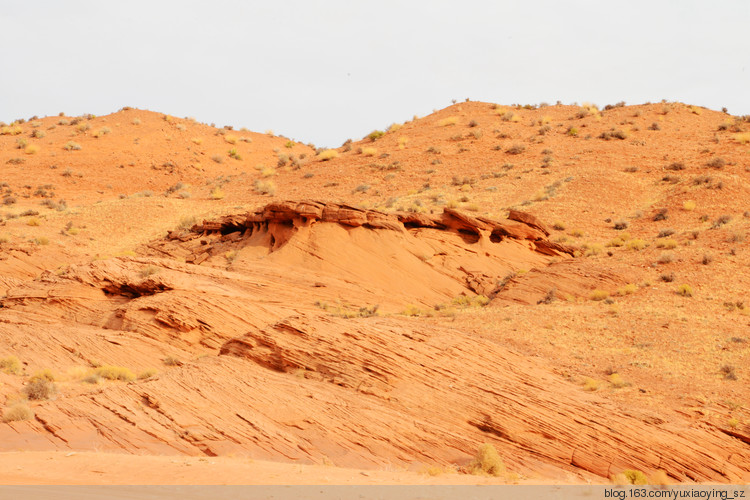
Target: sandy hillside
[[567, 284]]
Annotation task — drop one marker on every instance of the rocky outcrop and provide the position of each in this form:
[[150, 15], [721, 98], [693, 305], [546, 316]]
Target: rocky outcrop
[[556, 419], [518, 226], [272, 316], [371, 392], [563, 280], [529, 220]]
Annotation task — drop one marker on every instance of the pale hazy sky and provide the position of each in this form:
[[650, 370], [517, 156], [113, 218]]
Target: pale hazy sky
[[325, 71]]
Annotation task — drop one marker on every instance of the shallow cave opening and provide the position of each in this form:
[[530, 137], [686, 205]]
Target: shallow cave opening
[[132, 291], [231, 228], [469, 236]]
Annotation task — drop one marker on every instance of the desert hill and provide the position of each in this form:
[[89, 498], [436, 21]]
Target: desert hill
[[563, 282]]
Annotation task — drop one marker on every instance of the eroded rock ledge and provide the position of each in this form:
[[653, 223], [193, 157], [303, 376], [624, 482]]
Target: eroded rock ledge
[[518, 225]]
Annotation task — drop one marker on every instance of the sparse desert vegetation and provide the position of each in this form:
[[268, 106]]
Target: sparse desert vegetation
[[10, 365], [216, 193], [487, 461], [111, 372], [539, 270], [328, 154], [39, 388], [265, 187], [451, 120], [17, 413]]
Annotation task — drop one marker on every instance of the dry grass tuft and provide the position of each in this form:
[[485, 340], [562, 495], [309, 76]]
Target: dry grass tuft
[[433, 471], [148, 271], [173, 361], [18, 412], [471, 301], [216, 193], [375, 135], [10, 365], [446, 122], [668, 244], [636, 244], [111, 372], [39, 389], [628, 477], [45, 374], [487, 461], [591, 385], [617, 382], [265, 187], [328, 154], [148, 373], [598, 295]]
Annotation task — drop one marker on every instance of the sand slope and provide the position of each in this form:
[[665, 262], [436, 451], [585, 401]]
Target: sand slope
[[374, 319]]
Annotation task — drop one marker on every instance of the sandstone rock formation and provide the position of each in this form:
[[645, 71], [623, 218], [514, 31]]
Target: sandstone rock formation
[[267, 370]]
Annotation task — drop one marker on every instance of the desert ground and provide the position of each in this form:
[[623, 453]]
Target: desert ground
[[564, 285]]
